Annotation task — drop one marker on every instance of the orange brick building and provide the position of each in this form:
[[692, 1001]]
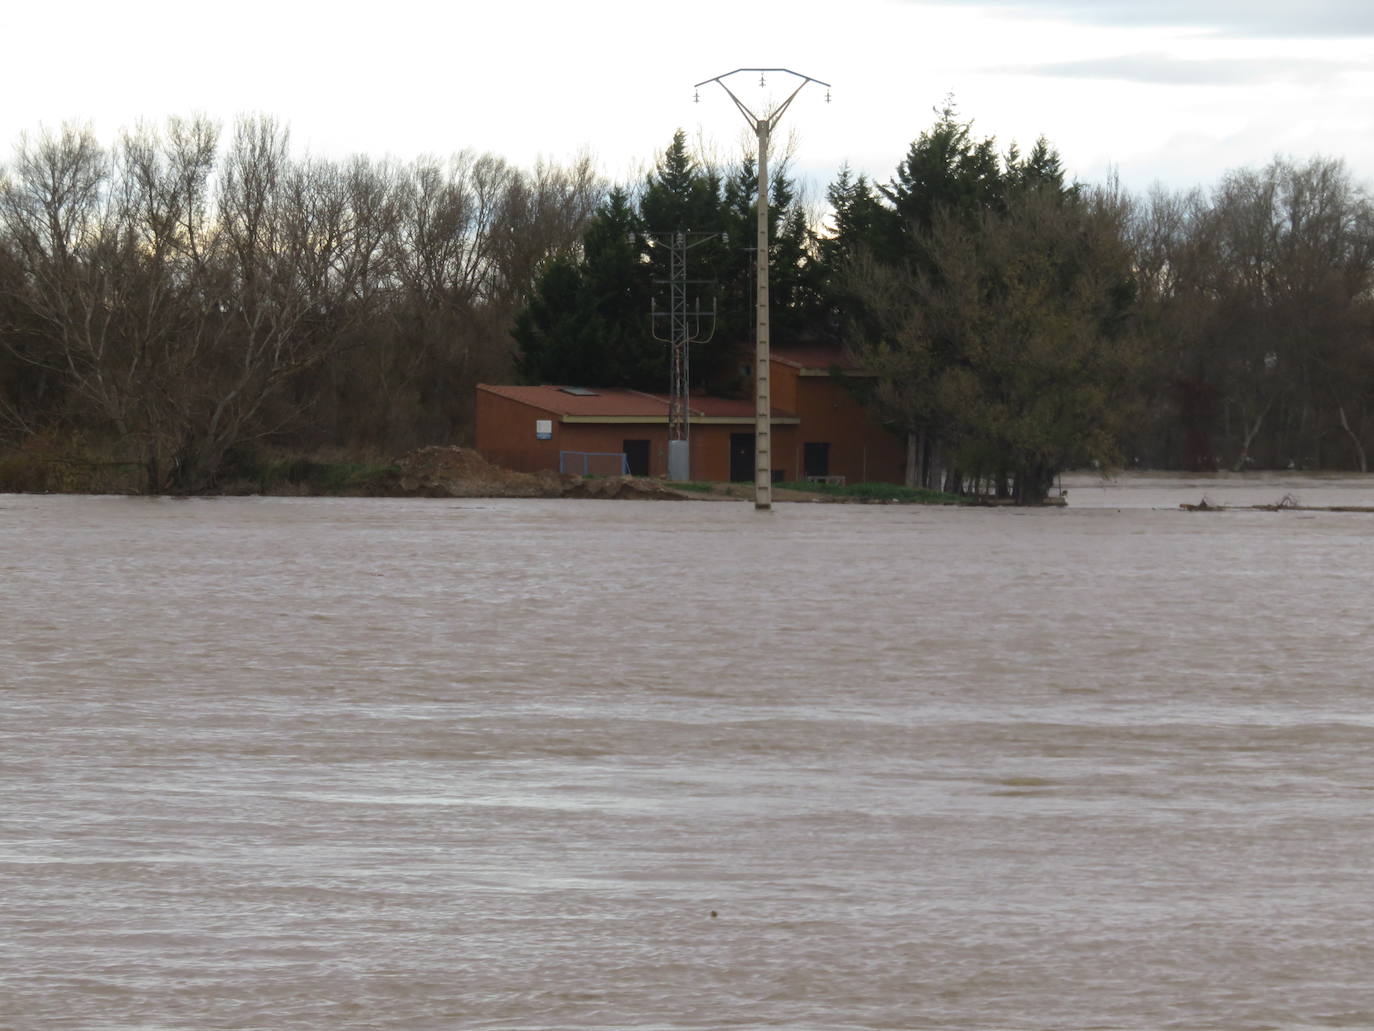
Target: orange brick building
[[819, 428]]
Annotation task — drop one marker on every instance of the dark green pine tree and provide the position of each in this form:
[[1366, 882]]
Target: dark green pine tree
[[993, 304], [1040, 169], [683, 195], [946, 172], [679, 194], [737, 270], [621, 286], [562, 340], [794, 283], [858, 216], [587, 320], [881, 255], [793, 274]]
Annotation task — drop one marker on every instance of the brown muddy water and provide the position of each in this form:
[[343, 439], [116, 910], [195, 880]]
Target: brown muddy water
[[409, 764]]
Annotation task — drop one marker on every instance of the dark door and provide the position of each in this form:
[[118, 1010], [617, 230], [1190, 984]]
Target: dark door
[[741, 457], [816, 459], [636, 456]]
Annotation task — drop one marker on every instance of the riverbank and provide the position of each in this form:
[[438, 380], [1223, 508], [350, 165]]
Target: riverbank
[[456, 472], [429, 472]]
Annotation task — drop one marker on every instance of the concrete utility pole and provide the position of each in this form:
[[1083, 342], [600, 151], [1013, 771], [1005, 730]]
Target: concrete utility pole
[[763, 126]]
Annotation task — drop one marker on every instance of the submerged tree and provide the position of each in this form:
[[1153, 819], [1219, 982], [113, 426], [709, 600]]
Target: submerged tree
[[1037, 301], [992, 302]]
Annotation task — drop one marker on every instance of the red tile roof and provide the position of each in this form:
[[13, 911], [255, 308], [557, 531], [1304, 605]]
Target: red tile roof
[[818, 357], [725, 407], [614, 403], [611, 402]]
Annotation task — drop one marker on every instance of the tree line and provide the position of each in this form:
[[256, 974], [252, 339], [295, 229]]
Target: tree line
[[1016, 323], [179, 299], [1256, 300], [176, 299]]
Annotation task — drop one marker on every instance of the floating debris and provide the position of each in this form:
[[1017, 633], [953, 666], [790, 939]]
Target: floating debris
[[1287, 503]]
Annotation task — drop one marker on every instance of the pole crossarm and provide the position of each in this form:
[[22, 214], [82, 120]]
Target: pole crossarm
[[762, 128], [753, 119]]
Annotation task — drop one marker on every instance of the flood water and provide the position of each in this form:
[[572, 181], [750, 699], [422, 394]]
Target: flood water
[[425, 764]]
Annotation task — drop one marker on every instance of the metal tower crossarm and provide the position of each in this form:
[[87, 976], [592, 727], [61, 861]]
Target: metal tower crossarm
[[684, 329]]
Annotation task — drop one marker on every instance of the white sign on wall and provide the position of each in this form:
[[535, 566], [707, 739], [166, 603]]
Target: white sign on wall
[[543, 429]]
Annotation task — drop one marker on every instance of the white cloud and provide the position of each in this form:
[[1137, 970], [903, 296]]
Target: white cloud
[[1114, 82], [1275, 18], [1167, 70]]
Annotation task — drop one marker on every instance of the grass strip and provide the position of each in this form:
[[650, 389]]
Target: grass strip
[[879, 492]]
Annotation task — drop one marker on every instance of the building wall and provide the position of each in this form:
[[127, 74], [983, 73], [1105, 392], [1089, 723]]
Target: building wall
[[601, 437], [782, 385], [785, 451], [505, 434], [711, 450], [860, 450], [710, 444]]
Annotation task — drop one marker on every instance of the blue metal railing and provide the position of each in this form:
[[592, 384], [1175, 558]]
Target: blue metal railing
[[581, 462]]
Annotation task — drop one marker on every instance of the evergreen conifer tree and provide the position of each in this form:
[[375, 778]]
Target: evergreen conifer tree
[[588, 319]]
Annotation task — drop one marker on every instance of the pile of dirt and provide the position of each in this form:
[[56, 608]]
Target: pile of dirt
[[620, 488], [459, 472]]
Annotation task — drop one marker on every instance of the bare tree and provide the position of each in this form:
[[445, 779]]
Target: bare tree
[[1257, 298], [188, 299], [1294, 269], [76, 263]]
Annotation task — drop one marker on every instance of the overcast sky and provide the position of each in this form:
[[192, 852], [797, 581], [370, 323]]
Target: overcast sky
[[1172, 90]]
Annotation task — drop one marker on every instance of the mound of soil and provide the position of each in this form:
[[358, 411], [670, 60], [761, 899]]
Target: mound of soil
[[459, 472], [620, 488]]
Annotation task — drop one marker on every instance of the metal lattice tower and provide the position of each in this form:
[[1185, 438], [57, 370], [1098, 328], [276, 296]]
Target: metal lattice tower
[[685, 327]]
